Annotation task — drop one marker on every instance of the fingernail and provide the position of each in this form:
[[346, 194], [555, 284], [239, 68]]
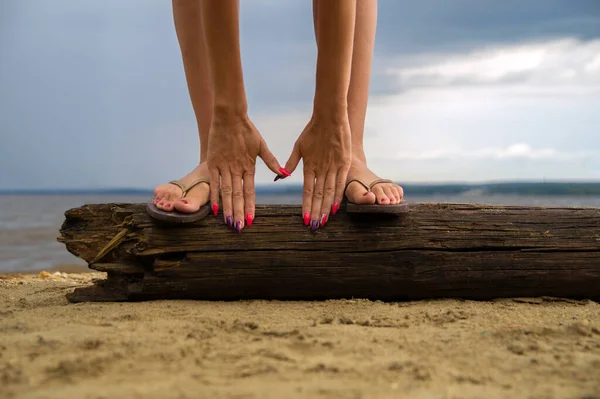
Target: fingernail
[[335, 208], [306, 218], [284, 172], [249, 219], [276, 178], [323, 219], [238, 226], [314, 225], [185, 201], [229, 220], [215, 209]]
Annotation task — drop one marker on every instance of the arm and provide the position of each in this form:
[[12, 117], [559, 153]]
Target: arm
[[233, 141]]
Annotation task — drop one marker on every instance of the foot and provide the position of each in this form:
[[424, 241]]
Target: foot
[[169, 196], [382, 193]]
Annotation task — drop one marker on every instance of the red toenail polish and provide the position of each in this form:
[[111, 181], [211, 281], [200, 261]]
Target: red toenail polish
[[284, 172], [335, 208], [161, 203], [215, 208], [185, 201], [249, 219], [306, 218]]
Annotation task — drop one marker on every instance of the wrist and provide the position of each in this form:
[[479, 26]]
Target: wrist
[[230, 111], [331, 111]]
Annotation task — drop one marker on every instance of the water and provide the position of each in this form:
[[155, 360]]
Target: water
[[29, 224]]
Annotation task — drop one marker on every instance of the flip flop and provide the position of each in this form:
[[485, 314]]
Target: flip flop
[[175, 216], [393, 209]]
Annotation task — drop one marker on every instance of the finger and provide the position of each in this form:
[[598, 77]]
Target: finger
[[238, 202], [249, 197], [317, 202], [328, 196], [294, 159], [307, 195], [226, 194], [215, 184], [390, 193], [268, 158], [340, 186]]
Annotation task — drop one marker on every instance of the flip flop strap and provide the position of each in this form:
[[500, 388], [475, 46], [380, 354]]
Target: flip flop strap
[[178, 184], [379, 181], [184, 189], [194, 184], [359, 182]]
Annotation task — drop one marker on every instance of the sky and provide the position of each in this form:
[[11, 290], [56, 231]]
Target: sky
[[93, 95]]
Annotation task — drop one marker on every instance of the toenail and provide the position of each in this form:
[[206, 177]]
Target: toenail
[[161, 203], [185, 201]]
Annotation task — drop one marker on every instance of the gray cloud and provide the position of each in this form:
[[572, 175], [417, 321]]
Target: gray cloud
[[93, 93]]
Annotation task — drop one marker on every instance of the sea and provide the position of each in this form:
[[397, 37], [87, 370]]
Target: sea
[[29, 223]]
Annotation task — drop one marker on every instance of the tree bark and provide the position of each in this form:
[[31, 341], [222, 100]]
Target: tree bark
[[434, 251]]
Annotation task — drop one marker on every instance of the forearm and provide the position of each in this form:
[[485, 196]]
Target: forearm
[[220, 20], [335, 26]]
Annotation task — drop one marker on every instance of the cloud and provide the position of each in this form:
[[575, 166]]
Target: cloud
[[566, 65], [514, 151]]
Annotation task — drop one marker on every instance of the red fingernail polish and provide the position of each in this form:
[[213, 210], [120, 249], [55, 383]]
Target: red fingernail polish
[[185, 201], [335, 208], [284, 172], [215, 209], [249, 219], [306, 218]]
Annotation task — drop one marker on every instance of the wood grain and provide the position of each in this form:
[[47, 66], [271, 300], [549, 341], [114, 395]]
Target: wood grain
[[433, 251]]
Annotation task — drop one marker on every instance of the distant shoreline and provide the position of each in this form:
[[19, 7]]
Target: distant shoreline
[[514, 188]]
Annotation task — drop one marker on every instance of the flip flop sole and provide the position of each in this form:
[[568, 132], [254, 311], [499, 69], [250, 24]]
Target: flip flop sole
[[396, 209], [175, 217]]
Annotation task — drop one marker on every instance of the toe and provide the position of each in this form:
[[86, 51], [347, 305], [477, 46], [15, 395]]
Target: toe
[[382, 199], [399, 193], [390, 193], [357, 194], [195, 198]]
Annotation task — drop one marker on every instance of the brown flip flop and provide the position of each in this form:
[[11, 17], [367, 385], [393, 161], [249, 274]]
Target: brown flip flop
[[393, 209], [175, 216]]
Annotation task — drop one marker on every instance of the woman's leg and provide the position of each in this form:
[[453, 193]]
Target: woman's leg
[[188, 25], [358, 93]]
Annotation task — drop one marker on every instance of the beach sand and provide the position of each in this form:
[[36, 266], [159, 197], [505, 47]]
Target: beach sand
[[510, 348]]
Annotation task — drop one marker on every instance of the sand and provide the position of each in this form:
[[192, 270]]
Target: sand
[[511, 348]]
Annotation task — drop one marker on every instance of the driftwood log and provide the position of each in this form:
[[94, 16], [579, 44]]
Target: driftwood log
[[434, 251]]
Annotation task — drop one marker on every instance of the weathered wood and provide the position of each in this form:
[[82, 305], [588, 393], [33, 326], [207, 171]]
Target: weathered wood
[[435, 250]]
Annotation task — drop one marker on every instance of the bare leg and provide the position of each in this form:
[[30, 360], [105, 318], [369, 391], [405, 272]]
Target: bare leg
[[188, 25], [358, 93]]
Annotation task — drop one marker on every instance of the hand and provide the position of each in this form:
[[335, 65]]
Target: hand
[[233, 145], [325, 147]]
